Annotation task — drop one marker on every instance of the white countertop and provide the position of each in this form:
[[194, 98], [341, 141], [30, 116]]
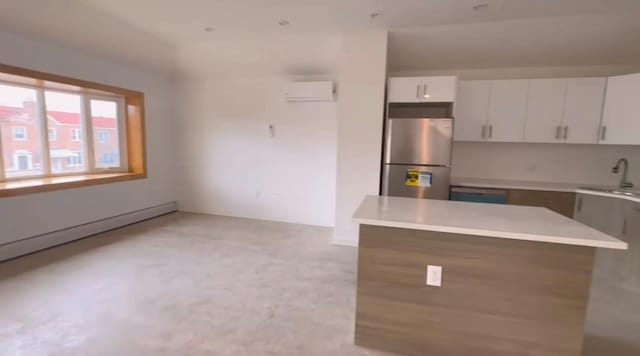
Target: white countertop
[[542, 186], [487, 220]]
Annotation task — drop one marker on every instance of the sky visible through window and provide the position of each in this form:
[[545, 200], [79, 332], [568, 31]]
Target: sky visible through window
[[56, 101]]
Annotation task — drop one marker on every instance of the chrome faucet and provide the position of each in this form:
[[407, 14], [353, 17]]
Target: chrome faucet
[[624, 183]]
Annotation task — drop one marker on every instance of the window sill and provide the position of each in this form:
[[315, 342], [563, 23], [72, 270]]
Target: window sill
[[41, 185]]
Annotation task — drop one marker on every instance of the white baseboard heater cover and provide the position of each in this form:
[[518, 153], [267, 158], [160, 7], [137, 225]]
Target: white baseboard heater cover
[[40, 242]]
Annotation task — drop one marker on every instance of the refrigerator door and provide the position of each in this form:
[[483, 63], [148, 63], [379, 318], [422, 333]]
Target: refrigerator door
[[419, 141], [425, 182]]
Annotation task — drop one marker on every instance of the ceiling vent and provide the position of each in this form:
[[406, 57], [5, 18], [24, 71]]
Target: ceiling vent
[[310, 91]]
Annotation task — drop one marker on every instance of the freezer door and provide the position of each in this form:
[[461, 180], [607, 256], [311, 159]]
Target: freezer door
[[414, 182], [419, 141]]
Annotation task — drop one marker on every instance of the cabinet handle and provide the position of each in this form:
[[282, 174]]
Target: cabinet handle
[[418, 91], [566, 132], [484, 131], [603, 133], [624, 227], [558, 128], [490, 131], [424, 91]]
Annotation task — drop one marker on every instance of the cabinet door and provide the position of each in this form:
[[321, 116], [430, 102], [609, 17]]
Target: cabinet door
[[472, 110], [629, 263], [404, 90], [621, 118], [544, 111], [601, 213], [560, 202], [583, 109], [508, 110], [439, 89]]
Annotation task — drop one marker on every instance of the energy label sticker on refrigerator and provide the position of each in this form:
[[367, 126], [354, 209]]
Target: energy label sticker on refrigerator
[[416, 178]]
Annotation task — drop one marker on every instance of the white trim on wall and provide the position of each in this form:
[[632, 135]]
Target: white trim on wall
[[40, 242]]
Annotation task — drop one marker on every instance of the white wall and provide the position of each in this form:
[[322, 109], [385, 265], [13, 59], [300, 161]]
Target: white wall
[[361, 76], [582, 164], [30, 215], [230, 165]]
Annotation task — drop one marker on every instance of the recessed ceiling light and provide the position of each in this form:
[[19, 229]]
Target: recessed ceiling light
[[480, 6], [373, 15], [284, 23], [209, 29]]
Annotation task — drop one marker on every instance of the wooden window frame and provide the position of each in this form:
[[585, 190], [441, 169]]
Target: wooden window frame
[[134, 133]]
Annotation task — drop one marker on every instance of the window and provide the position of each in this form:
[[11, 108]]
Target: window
[[103, 136], [22, 160], [109, 158], [53, 135], [58, 133], [66, 110], [20, 133], [21, 147], [104, 120], [74, 159], [76, 135]]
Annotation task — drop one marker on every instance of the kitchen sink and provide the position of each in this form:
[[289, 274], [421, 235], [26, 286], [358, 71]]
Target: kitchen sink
[[620, 191]]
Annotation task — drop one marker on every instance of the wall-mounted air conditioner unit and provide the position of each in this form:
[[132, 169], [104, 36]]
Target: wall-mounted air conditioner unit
[[309, 91]]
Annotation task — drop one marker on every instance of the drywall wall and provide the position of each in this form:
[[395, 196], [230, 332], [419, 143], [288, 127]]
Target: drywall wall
[[30, 215], [230, 164], [361, 76], [583, 164]]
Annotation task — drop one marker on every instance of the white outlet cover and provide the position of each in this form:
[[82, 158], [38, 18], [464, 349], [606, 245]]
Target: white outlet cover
[[434, 276]]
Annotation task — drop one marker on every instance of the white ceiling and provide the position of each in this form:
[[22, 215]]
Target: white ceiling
[[155, 33], [544, 42]]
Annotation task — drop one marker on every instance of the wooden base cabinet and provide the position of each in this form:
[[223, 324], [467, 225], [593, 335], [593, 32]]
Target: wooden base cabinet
[[498, 297], [560, 202]]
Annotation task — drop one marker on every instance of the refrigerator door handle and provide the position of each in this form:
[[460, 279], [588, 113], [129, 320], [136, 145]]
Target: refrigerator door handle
[[484, 131]]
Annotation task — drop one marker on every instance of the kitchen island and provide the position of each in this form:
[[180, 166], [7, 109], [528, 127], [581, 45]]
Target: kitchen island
[[513, 280]]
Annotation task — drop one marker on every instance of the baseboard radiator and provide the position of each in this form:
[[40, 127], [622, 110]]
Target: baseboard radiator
[[40, 242]]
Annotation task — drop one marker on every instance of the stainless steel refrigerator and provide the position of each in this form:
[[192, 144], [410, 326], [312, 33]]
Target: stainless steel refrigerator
[[417, 157]]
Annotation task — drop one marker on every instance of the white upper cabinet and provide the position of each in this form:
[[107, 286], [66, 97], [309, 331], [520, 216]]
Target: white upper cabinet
[[583, 110], [422, 89], [404, 90], [507, 110], [472, 110], [439, 89], [620, 118], [538, 110], [545, 111]]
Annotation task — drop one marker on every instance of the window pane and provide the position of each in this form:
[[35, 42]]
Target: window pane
[[67, 150], [20, 130], [106, 143]]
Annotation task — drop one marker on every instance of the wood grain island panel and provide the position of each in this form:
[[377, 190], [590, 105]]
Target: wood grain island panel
[[498, 296]]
